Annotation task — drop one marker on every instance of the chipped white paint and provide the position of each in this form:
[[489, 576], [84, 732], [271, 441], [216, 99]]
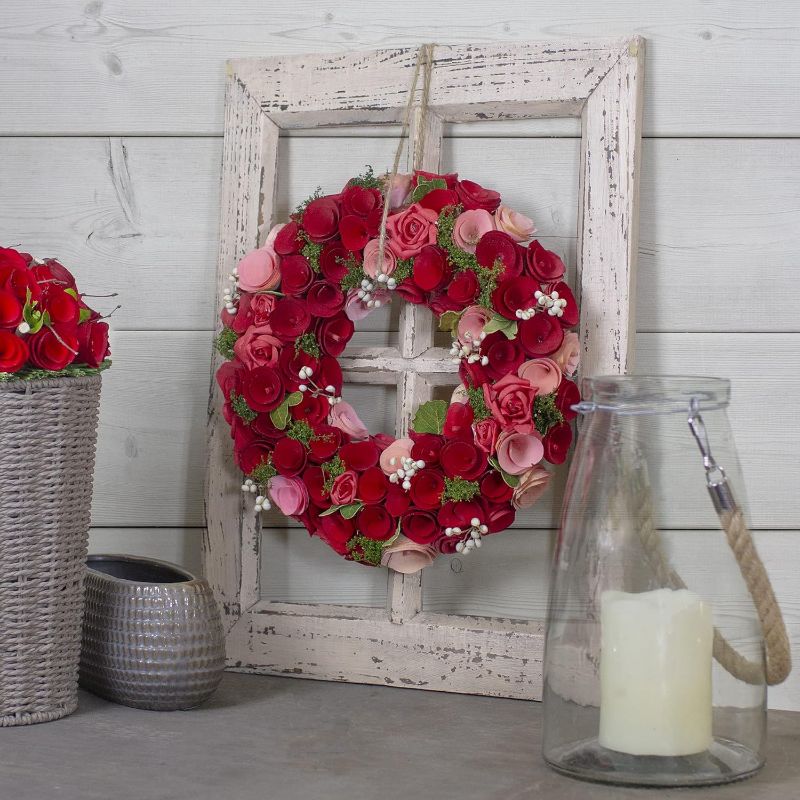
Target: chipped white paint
[[405, 646]]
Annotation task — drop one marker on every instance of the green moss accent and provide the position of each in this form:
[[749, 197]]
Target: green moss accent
[[458, 490], [546, 413], [403, 270], [367, 550], [311, 251], [332, 470], [478, 403], [300, 429], [355, 274], [36, 374], [487, 280], [241, 409], [367, 179], [225, 341], [263, 473], [308, 344], [444, 237]]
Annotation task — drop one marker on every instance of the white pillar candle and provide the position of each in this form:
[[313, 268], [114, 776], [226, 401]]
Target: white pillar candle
[[655, 672]]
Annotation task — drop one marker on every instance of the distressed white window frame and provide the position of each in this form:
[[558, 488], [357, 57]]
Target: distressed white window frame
[[599, 82]]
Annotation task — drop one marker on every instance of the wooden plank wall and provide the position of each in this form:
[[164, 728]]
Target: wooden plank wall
[[110, 145]]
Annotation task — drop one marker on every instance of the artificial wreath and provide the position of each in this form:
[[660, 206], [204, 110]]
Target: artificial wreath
[[467, 465]]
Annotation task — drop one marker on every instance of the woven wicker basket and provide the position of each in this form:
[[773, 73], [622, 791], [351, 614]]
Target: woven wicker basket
[[48, 433]]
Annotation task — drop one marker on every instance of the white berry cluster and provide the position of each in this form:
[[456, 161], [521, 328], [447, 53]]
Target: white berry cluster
[[368, 287], [262, 502], [231, 295], [472, 536], [329, 391], [554, 304], [471, 351], [407, 470]]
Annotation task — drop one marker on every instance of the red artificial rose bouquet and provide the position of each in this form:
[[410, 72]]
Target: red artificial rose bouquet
[[468, 465], [45, 325]]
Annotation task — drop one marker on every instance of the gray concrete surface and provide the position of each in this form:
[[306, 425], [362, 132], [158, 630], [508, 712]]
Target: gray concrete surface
[[282, 739]]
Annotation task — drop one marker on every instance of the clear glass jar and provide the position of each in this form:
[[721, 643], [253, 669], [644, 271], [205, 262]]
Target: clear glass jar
[[646, 594]]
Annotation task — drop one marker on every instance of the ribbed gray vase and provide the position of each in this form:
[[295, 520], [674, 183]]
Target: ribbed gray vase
[[152, 634]]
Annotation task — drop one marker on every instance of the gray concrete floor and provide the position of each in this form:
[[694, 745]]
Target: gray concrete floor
[[285, 739]]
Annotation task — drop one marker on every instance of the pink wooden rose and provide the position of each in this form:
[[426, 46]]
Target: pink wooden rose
[[519, 227], [343, 490], [542, 373], [568, 356], [390, 457], [406, 556], [532, 485], [471, 324], [259, 270], [289, 494], [273, 234], [343, 416], [511, 402], [372, 262], [356, 309], [486, 433], [518, 452], [410, 230], [257, 347], [399, 190], [470, 226]]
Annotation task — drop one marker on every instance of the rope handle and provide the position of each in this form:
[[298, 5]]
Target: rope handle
[[751, 567]]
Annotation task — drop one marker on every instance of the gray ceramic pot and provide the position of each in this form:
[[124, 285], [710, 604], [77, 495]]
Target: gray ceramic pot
[[152, 635]]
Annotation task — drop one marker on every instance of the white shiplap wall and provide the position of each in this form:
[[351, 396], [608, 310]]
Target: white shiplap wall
[[109, 157]]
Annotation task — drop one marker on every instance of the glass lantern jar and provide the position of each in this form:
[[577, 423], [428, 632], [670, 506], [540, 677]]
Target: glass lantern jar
[[654, 660]]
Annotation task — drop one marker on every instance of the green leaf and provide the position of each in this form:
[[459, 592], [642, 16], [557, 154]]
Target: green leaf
[[84, 315], [424, 186], [449, 320], [350, 510], [511, 480], [31, 314], [71, 292], [430, 417], [329, 511], [280, 416], [498, 323]]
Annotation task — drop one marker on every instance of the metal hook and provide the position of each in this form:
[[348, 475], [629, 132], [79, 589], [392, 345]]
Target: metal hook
[[716, 479]]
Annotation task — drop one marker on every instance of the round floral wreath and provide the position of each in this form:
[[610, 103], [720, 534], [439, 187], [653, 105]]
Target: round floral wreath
[[466, 466]]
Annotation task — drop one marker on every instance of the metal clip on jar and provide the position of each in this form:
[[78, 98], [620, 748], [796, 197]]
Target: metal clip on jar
[[663, 631]]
